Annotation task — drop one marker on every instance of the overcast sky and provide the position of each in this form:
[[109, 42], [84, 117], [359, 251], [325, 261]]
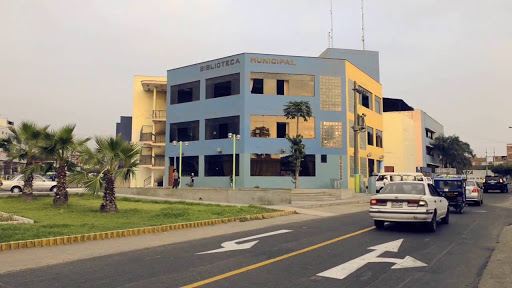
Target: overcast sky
[[73, 61]]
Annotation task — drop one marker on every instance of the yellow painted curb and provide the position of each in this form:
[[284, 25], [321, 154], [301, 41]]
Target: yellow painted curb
[[65, 240]]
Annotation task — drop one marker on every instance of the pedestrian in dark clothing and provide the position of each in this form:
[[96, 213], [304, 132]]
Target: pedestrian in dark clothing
[[176, 179]]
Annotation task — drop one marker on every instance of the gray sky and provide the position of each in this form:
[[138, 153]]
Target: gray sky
[[73, 61]]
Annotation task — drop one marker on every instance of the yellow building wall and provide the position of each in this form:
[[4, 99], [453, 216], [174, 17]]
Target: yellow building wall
[[416, 115], [399, 141], [143, 105], [373, 119]]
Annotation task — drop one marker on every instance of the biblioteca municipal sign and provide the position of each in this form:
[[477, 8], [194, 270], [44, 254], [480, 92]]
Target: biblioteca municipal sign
[[234, 61]]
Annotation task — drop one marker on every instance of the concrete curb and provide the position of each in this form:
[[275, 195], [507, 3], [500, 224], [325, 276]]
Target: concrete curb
[[317, 205], [65, 240]]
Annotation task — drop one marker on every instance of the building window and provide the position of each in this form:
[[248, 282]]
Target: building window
[[331, 134], [220, 165], [362, 141], [429, 133], [277, 165], [223, 86], [282, 84], [282, 129], [189, 165], [351, 96], [363, 164], [330, 93], [184, 131], [263, 126], [323, 158], [352, 168], [430, 150], [378, 138], [378, 105], [257, 86], [351, 133], [184, 93], [365, 98], [369, 131], [219, 128]]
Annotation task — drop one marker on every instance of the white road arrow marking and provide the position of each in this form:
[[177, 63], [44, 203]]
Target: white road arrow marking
[[232, 245], [343, 270]]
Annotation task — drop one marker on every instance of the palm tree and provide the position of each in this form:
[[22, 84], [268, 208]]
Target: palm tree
[[59, 145], [454, 152], [24, 145], [112, 158], [296, 110]]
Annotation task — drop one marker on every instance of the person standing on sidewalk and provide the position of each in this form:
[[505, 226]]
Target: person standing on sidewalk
[[176, 179], [191, 184]]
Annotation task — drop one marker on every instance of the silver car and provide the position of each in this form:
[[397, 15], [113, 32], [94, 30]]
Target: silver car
[[474, 193], [15, 185]]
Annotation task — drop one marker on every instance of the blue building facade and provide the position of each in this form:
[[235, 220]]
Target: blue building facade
[[245, 94]]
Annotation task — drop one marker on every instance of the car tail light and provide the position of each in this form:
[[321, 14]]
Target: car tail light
[[413, 203], [422, 203], [483, 181], [475, 190], [379, 202], [501, 180]]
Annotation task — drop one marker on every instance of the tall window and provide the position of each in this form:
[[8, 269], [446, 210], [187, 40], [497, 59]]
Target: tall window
[[365, 98], [223, 86], [186, 92], [220, 165], [184, 131], [430, 150], [282, 129], [330, 93], [282, 84], [369, 131], [351, 96], [378, 138], [331, 134], [219, 128], [429, 133], [378, 105], [189, 165], [277, 165]]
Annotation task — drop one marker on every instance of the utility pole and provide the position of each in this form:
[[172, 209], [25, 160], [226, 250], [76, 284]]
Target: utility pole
[[357, 129], [362, 21], [486, 162], [494, 158]]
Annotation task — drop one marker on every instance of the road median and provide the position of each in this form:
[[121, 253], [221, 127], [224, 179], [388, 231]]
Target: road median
[[71, 239]]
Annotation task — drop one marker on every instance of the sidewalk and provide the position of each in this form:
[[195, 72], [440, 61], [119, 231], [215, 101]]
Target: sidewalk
[[497, 274]]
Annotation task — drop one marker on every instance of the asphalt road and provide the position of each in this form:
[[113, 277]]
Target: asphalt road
[[455, 256]]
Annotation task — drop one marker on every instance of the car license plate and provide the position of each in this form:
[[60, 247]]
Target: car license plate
[[397, 205]]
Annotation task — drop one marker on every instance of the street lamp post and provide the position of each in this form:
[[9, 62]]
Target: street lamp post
[[235, 138], [359, 127], [181, 153]]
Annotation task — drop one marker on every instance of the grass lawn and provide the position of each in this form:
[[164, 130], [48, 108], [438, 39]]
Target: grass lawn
[[82, 215]]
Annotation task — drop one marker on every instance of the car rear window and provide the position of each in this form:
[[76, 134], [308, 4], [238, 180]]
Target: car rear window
[[448, 184], [404, 188], [492, 178], [471, 183], [398, 178]]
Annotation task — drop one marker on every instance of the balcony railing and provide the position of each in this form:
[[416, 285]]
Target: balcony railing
[[146, 160], [159, 161], [159, 114], [146, 137], [159, 138]]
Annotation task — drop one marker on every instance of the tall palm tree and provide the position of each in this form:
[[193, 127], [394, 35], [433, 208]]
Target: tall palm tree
[[111, 159], [60, 145], [24, 145], [296, 110], [454, 152]]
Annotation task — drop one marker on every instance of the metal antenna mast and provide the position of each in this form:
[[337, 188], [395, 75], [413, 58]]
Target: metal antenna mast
[[362, 20], [331, 36]]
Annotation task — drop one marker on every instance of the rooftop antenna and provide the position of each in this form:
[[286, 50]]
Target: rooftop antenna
[[362, 20], [331, 34]]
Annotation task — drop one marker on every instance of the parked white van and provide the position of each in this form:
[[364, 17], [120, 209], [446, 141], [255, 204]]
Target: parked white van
[[385, 178]]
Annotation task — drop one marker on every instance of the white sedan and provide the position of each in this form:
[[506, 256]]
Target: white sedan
[[15, 185], [409, 201]]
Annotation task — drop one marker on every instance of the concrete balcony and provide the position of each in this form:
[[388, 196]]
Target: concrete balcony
[[159, 162], [159, 115], [146, 160]]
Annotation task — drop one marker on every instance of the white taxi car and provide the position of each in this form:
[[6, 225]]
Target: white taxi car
[[409, 201], [15, 185]]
